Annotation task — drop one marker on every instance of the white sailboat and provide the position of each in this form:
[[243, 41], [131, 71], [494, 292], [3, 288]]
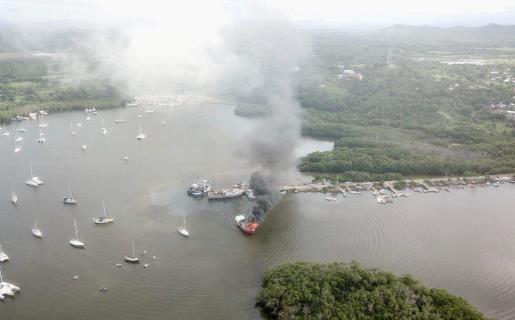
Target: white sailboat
[[36, 232], [140, 135], [126, 157], [17, 138], [6, 288], [105, 218], [133, 258], [14, 197], [75, 242], [72, 132], [70, 199], [33, 181], [3, 256], [103, 130], [182, 230], [88, 118], [17, 147], [41, 138]]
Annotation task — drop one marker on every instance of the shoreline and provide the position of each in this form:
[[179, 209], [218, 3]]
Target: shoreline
[[421, 185]]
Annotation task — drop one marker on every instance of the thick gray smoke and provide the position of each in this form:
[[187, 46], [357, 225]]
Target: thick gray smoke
[[274, 51]]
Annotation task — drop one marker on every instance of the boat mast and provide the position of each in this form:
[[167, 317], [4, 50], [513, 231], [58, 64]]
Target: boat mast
[[105, 211], [76, 230], [133, 254]]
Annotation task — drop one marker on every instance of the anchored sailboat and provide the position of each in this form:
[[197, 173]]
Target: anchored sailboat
[[3, 256], [14, 197], [70, 199], [103, 130], [182, 230], [133, 258], [105, 218], [33, 181], [72, 132], [36, 231], [140, 135], [75, 242]]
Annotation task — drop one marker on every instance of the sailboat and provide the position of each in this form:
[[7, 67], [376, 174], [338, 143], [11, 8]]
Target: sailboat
[[75, 242], [103, 130], [14, 197], [88, 118], [6, 288], [84, 147], [182, 230], [70, 199], [17, 148], [105, 218], [34, 180], [41, 138], [126, 157], [133, 258], [17, 137], [72, 132], [36, 232], [3, 256], [140, 135]]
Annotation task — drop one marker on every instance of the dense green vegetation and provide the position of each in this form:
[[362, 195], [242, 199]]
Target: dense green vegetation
[[31, 83], [349, 291], [412, 113]]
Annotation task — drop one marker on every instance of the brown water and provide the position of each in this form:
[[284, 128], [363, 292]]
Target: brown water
[[463, 241]]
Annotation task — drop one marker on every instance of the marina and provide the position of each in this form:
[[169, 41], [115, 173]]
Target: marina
[[218, 266]]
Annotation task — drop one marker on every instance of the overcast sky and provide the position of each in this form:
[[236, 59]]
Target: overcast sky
[[318, 12]]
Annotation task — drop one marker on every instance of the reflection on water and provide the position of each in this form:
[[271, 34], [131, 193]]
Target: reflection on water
[[462, 241]]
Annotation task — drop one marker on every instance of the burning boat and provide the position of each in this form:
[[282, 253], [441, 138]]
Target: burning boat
[[248, 225]]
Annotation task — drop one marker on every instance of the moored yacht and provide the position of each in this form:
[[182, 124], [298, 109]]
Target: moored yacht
[[36, 232], [133, 258], [75, 242], [105, 218], [70, 199], [3, 256], [140, 135]]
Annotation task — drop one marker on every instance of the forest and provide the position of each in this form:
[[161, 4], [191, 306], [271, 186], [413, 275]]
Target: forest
[[305, 290], [423, 108]]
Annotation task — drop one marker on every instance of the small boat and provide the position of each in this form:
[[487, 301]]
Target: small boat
[[5, 134], [21, 130], [380, 200], [182, 229], [103, 130], [125, 157], [163, 123], [17, 138], [72, 132], [6, 288], [33, 181], [331, 199], [14, 197], [247, 225], [36, 231], [105, 218], [354, 192], [75, 242], [250, 194], [84, 147], [149, 111], [88, 118], [118, 265], [75, 277], [70, 199], [140, 135], [3, 256], [41, 139], [79, 124], [133, 258]]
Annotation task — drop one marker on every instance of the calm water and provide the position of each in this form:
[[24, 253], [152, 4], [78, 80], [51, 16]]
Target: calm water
[[463, 241]]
